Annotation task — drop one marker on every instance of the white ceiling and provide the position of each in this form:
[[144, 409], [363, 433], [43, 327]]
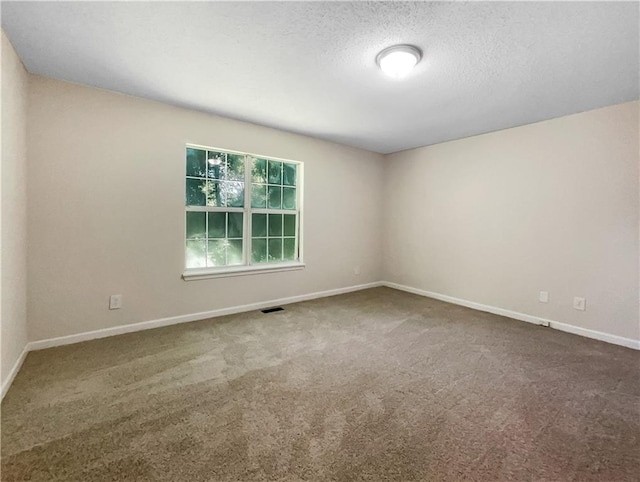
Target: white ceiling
[[309, 67]]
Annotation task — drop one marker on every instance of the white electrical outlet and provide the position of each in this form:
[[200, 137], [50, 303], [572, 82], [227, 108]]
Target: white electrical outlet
[[356, 270], [579, 303], [543, 297], [115, 302]]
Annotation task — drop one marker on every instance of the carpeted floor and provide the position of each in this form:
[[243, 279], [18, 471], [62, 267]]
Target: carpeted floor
[[374, 385]]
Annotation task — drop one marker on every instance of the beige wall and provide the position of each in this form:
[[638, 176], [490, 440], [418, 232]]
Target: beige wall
[[497, 218], [106, 210], [13, 261], [492, 219]]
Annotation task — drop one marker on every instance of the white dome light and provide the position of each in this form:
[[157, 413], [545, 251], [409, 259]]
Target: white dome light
[[399, 60]]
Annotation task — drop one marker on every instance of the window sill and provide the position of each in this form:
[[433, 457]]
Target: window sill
[[208, 273]]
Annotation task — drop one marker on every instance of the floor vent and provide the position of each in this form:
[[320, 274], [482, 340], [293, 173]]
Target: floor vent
[[271, 310]]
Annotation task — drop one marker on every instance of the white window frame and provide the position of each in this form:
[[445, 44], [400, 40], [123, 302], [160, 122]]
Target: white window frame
[[191, 274]]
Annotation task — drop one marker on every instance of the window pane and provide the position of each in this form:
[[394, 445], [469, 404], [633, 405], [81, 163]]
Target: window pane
[[215, 194], [234, 251], [289, 250], [275, 194], [217, 253], [289, 174], [275, 224], [258, 225], [234, 194], [235, 167], [216, 179], [289, 198], [259, 171], [258, 250], [196, 189], [275, 172], [275, 249], [196, 225], [235, 225], [258, 196], [196, 163], [289, 224], [217, 228], [215, 164], [196, 254]]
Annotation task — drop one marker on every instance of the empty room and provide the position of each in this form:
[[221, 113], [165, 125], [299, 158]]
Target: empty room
[[288, 241]]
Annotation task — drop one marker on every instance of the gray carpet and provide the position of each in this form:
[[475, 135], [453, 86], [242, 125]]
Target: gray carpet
[[374, 385]]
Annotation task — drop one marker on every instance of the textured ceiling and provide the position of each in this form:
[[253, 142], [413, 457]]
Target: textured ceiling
[[309, 67]]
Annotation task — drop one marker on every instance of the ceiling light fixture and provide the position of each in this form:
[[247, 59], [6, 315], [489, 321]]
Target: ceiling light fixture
[[397, 61]]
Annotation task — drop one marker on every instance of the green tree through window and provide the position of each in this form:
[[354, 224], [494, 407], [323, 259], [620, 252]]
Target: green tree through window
[[240, 209]]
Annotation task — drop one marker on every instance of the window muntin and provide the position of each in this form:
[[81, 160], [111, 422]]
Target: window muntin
[[229, 225]]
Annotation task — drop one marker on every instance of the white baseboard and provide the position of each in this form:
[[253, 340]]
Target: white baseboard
[[148, 325], [597, 335], [174, 320], [14, 371], [471, 304]]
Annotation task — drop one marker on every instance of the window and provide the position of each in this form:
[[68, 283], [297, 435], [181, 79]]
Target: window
[[242, 213]]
